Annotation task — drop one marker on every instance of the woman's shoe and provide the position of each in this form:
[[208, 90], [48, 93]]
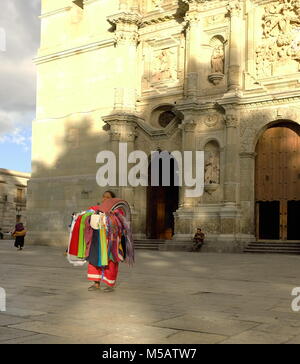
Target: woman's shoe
[[108, 289], [94, 288]]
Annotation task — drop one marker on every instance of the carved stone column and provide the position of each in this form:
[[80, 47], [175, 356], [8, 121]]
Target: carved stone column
[[188, 144], [126, 35], [247, 161], [122, 130], [193, 41], [236, 26], [231, 181]]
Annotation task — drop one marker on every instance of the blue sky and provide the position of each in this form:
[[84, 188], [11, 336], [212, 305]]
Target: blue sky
[[19, 41]]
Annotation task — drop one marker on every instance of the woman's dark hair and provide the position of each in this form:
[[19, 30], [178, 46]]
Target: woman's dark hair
[[113, 195]]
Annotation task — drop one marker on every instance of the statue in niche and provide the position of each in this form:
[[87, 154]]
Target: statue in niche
[[212, 169], [217, 61]]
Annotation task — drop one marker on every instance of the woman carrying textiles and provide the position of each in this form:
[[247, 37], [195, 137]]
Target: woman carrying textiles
[[19, 233], [102, 237]]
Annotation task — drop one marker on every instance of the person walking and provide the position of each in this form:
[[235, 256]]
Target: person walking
[[109, 274], [19, 235]]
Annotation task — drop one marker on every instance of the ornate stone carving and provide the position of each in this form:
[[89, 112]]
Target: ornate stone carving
[[217, 65], [234, 8], [188, 126], [127, 25], [279, 51], [212, 169], [232, 121], [217, 60], [165, 66]]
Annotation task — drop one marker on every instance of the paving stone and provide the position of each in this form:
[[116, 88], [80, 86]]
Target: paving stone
[[213, 326], [6, 319], [188, 337], [257, 337], [40, 339], [7, 333], [168, 297]]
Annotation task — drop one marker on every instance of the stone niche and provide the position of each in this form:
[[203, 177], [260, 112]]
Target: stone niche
[[212, 166], [217, 74]]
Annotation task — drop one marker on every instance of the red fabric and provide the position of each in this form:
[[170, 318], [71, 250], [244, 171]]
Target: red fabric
[[88, 235], [107, 275], [73, 249], [107, 205]]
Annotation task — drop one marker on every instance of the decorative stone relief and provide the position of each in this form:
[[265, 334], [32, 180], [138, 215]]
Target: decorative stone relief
[[254, 121], [234, 8], [165, 65], [279, 51]]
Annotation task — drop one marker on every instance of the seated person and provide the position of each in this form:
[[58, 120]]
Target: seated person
[[198, 240]]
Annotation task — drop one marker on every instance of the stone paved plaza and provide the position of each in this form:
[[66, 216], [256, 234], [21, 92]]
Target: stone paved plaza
[[168, 297]]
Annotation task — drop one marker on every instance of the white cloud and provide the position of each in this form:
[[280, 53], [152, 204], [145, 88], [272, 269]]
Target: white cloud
[[19, 19], [14, 128], [21, 25]]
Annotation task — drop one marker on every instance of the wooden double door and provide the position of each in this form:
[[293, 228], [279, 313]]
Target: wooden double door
[[278, 183]]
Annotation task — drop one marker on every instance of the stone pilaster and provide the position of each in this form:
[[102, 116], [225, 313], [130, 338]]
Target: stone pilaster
[[230, 212], [193, 41], [247, 166], [126, 37], [188, 127], [122, 130], [236, 25], [231, 182]]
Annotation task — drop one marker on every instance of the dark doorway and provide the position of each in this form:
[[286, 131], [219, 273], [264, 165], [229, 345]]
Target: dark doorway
[[162, 202], [269, 220], [293, 220]]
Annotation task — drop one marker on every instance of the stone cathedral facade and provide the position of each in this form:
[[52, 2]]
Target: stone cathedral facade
[[211, 75]]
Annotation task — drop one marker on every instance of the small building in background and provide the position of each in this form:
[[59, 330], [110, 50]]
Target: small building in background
[[13, 197]]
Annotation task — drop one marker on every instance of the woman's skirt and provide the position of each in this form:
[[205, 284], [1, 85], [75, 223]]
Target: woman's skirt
[[107, 275], [19, 242]]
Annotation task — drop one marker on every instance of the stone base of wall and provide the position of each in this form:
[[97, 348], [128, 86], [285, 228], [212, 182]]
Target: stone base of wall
[[215, 244], [48, 238]]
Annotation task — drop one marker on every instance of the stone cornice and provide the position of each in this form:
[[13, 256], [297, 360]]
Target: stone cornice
[[12, 173], [124, 118], [125, 18], [159, 18], [290, 97], [54, 12], [74, 51]]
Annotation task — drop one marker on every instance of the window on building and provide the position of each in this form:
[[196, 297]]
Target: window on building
[[20, 195]]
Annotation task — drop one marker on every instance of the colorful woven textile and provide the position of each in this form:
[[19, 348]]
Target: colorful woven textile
[[111, 242]]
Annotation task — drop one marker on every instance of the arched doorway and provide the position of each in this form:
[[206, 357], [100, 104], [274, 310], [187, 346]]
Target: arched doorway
[[162, 202], [277, 183]]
